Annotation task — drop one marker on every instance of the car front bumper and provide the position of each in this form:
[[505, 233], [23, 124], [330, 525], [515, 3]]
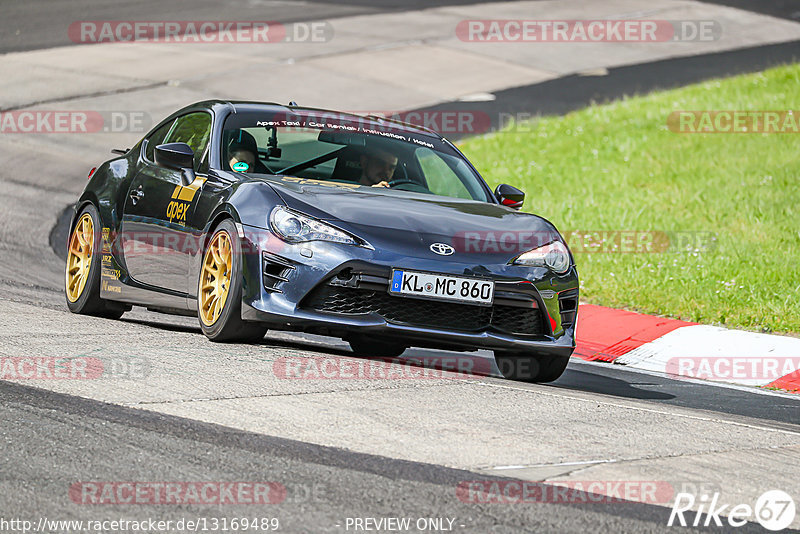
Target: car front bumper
[[280, 279]]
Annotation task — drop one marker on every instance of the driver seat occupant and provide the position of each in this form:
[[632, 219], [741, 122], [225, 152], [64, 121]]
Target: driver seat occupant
[[242, 149], [377, 167]]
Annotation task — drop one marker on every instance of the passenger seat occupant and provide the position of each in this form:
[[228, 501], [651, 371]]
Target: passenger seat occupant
[[243, 154]]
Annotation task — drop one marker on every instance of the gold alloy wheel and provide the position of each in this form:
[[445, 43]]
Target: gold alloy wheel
[[79, 257], [215, 278]]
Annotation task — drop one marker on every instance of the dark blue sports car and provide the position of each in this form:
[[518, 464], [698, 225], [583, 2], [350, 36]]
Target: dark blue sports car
[[254, 216]]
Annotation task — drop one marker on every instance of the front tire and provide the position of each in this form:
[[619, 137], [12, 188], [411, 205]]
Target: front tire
[[219, 293], [526, 368], [82, 272]]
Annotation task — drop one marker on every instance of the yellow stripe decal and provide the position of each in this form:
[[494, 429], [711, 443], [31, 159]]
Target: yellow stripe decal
[[186, 193]]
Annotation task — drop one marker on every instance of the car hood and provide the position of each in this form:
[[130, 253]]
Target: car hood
[[396, 217]]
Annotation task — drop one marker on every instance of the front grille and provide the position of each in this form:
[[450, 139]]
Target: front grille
[[425, 313], [517, 320]]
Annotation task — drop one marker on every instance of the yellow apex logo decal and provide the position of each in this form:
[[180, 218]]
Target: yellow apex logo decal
[[182, 196]]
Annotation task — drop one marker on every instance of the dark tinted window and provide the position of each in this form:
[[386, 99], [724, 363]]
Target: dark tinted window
[[194, 130], [157, 138]]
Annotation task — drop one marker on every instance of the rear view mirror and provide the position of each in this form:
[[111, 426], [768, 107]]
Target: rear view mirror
[[509, 196], [179, 157], [342, 138]]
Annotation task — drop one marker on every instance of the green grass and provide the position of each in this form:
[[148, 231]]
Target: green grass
[[617, 167]]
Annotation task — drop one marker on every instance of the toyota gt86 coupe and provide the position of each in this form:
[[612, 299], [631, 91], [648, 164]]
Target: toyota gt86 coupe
[[255, 216]]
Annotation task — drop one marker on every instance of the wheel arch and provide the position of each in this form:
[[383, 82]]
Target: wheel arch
[[87, 198], [222, 212]]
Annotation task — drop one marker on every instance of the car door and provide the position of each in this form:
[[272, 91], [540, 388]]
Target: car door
[[158, 241]]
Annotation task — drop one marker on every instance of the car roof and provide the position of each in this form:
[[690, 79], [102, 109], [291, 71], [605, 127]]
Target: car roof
[[238, 106]]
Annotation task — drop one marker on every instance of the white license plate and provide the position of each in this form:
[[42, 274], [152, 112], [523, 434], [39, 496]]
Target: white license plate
[[442, 287]]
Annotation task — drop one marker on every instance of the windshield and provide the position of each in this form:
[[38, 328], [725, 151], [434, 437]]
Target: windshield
[[344, 149]]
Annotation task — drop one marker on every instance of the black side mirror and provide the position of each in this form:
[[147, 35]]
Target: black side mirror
[[179, 157], [509, 196]]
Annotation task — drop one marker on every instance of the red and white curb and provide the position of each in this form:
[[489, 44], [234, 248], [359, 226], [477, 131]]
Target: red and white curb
[[685, 350]]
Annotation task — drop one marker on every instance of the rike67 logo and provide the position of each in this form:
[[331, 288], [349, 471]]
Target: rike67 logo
[[774, 510]]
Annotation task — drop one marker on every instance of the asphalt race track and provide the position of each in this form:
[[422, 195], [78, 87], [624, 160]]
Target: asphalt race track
[[184, 409]]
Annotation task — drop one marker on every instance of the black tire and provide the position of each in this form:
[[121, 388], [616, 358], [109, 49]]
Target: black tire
[[229, 326], [88, 301], [375, 348], [527, 368]]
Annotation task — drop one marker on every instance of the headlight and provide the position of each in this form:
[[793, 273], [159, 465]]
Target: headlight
[[296, 228], [554, 256]]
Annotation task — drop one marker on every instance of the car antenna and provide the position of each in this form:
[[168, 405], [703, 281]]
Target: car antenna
[[293, 103]]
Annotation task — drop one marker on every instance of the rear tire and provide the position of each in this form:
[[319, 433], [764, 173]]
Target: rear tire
[[526, 368], [82, 272], [219, 293], [372, 348]]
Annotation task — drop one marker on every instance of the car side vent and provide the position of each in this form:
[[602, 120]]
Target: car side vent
[[275, 270], [568, 303]]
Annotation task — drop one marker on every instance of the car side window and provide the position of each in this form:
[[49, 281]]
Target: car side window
[[156, 139], [193, 129]]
